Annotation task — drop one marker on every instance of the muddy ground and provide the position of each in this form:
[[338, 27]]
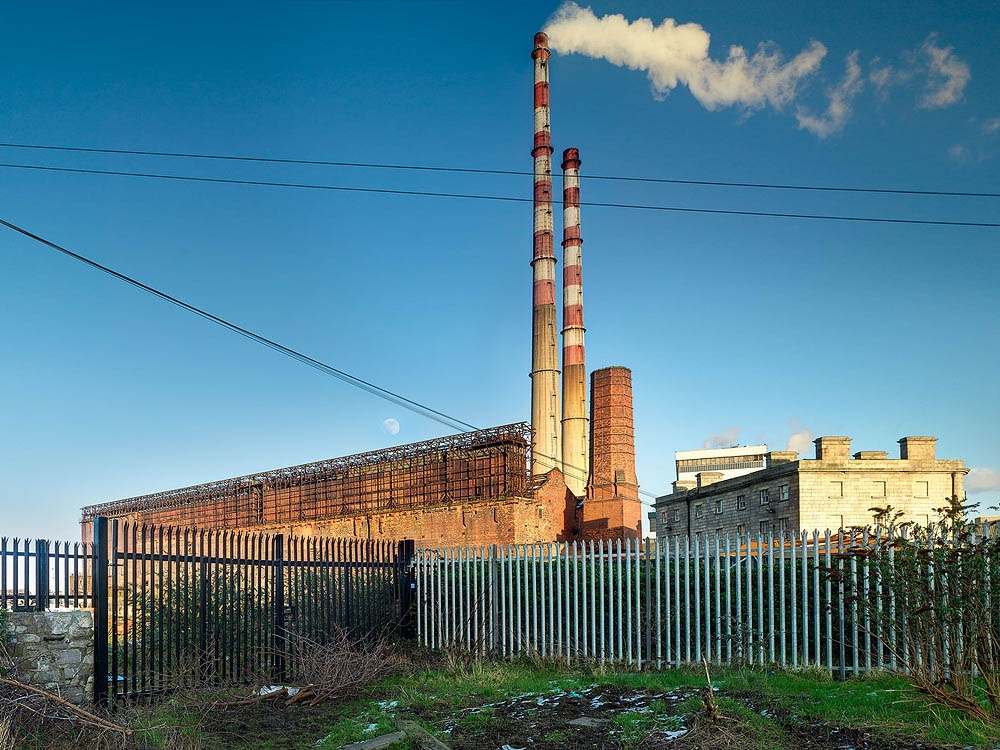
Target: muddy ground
[[614, 718], [594, 717]]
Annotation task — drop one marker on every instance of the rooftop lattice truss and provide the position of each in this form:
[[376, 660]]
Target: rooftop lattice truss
[[482, 465]]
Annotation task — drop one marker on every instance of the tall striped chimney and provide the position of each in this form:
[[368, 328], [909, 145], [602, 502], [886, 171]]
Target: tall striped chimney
[[546, 449], [575, 450]]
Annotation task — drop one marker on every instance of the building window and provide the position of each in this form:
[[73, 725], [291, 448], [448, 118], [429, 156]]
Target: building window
[[718, 507], [783, 492], [741, 529], [675, 514], [765, 497], [741, 502], [763, 527], [782, 524], [698, 511], [878, 489], [836, 489], [920, 489]]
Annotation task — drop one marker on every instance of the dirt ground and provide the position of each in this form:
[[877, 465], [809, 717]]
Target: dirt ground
[[544, 722], [595, 717]]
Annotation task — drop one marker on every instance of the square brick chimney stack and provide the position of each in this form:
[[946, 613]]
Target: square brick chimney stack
[[612, 509]]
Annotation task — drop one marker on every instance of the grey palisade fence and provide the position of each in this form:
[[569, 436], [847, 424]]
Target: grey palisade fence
[[787, 600]]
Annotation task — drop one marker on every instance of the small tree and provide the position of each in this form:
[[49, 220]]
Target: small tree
[[939, 586]]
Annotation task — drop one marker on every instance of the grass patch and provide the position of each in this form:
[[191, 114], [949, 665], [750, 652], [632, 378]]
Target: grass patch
[[369, 723], [457, 702]]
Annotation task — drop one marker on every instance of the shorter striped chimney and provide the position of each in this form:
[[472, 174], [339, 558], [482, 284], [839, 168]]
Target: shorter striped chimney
[[575, 450]]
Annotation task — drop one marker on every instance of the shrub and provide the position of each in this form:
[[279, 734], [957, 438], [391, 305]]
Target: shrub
[[939, 586]]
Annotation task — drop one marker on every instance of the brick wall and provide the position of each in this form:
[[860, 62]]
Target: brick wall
[[546, 517]]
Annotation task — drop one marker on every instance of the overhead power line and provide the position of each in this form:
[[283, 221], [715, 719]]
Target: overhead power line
[[504, 198], [383, 393], [346, 377], [466, 170]]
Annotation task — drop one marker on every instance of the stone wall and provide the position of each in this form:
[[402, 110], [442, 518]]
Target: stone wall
[[55, 651], [827, 492]]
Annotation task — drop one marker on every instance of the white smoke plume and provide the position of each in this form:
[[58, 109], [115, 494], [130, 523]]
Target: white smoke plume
[[981, 479], [675, 54], [839, 107], [800, 440], [723, 440], [947, 75]]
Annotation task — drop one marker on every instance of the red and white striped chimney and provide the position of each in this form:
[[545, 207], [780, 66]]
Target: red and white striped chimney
[[546, 446], [575, 449]]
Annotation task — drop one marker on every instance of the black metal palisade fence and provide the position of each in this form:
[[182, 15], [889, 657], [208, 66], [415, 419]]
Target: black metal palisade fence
[[783, 599], [188, 605], [179, 606], [42, 574]]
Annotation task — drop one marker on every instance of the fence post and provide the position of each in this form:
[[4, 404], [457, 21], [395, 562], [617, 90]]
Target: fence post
[[203, 609], [41, 575], [280, 643], [407, 585], [99, 578]]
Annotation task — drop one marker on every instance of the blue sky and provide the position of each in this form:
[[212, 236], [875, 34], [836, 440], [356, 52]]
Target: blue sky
[[740, 329]]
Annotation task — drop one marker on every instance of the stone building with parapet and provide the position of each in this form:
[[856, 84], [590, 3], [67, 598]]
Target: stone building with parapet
[[830, 491]]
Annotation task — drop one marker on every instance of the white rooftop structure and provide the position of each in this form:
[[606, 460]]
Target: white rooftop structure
[[730, 462]]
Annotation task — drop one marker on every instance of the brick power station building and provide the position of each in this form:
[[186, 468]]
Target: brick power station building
[[566, 476]]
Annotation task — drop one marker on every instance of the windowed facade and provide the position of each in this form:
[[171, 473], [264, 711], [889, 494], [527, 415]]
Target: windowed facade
[[835, 488], [741, 529], [764, 526]]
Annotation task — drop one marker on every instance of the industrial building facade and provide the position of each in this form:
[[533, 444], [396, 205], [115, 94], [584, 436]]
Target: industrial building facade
[[831, 491]]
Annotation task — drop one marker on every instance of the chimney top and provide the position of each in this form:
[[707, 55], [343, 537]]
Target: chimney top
[[917, 448], [571, 158], [833, 448], [541, 40]]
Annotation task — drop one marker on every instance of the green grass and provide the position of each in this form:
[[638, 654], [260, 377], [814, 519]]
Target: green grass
[[440, 699], [371, 722]]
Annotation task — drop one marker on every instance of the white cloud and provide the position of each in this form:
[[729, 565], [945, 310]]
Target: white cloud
[[981, 479], [991, 126], [675, 54], [391, 426], [723, 440], [881, 76], [958, 152], [800, 440], [947, 75], [838, 108]]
